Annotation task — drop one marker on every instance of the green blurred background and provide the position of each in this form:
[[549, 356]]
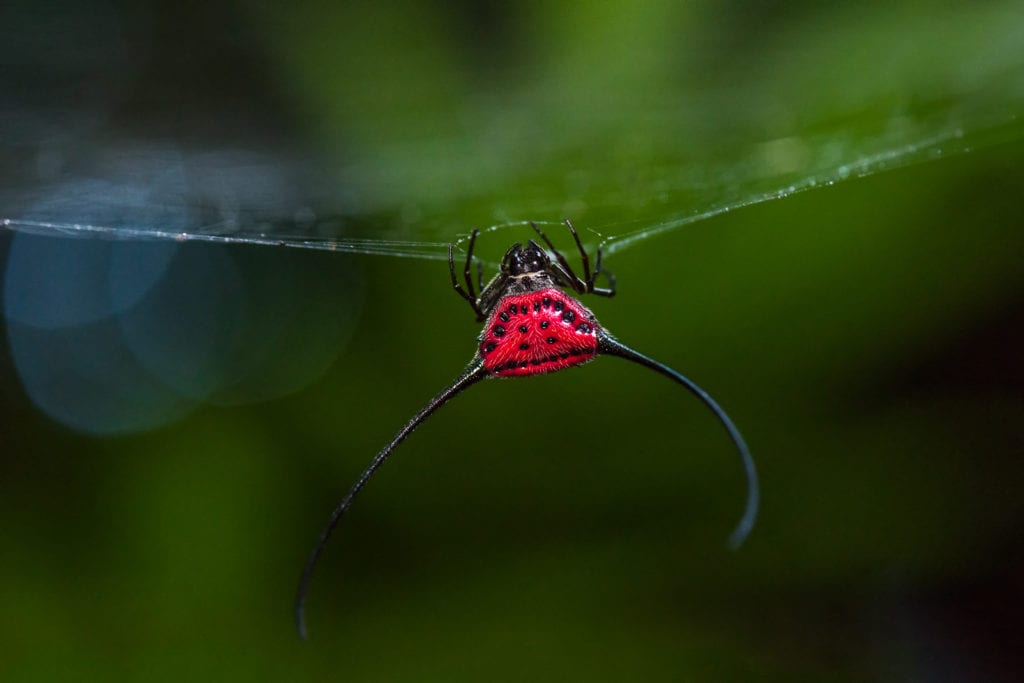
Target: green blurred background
[[857, 310]]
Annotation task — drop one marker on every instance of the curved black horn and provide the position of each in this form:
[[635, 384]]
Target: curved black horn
[[613, 347], [471, 375]]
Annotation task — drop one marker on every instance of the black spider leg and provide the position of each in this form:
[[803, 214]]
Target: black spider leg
[[599, 269], [589, 277], [584, 285], [613, 347], [580, 285], [471, 375], [467, 269], [467, 293]]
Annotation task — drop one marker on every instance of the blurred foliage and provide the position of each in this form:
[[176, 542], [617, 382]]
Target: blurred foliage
[[865, 336]]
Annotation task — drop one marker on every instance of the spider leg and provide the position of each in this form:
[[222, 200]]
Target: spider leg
[[469, 264], [605, 291], [608, 291], [480, 274], [474, 303], [455, 282], [574, 280], [492, 293], [583, 256]]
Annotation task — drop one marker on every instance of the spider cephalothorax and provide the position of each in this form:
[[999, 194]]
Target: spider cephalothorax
[[529, 261], [533, 327]]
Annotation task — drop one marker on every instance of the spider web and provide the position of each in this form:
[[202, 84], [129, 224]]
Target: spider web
[[114, 136], [631, 167], [857, 159]]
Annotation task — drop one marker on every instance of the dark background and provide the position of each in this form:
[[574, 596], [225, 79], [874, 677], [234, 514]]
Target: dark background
[[857, 310]]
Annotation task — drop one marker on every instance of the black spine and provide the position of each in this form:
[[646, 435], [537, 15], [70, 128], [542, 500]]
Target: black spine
[[471, 375], [613, 347]]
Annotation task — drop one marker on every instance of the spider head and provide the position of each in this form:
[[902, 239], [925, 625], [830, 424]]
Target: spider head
[[521, 260]]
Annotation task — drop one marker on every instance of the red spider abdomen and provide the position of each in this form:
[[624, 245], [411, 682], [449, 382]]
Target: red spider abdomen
[[539, 332]]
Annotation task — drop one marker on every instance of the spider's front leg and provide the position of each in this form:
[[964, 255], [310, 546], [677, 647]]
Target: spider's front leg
[[590, 277], [467, 292], [565, 270], [608, 291], [585, 284]]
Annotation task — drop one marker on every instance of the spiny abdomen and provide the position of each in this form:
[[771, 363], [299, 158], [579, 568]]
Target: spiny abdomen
[[539, 332]]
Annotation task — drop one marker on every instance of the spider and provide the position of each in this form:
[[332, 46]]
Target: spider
[[532, 327]]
